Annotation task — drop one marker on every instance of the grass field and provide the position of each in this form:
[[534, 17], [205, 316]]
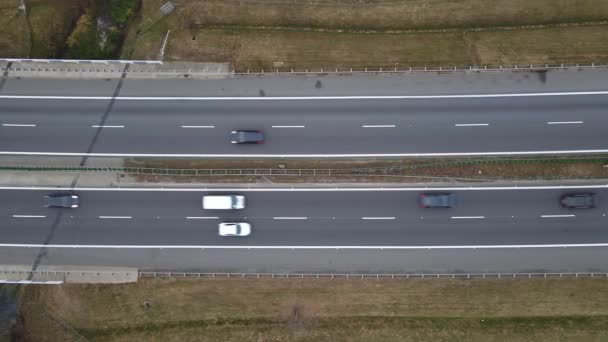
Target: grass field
[[270, 35], [324, 310], [14, 35]]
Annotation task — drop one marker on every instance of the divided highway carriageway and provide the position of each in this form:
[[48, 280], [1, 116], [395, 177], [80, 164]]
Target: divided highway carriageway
[[306, 218], [330, 126]]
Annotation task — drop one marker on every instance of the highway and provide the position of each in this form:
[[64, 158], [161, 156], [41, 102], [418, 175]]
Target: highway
[[308, 218], [307, 127], [130, 119]]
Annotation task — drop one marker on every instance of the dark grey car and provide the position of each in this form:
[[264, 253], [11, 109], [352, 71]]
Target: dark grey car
[[578, 201], [435, 200], [61, 201], [247, 137]]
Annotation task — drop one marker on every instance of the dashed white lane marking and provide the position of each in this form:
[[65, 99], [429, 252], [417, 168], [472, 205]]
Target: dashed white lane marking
[[378, 126], [202, 217], [289, 126], [115, 217], [19, 125], [290, 218], [185, 126], [564, 122], [472, 124], [108, 126], [378, 218], [548, 216], [29, 216], [468, 217]]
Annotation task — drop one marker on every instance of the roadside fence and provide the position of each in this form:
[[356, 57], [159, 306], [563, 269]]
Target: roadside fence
[[373, 275]]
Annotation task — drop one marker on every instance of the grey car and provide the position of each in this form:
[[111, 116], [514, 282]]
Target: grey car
[[578, 201], [436, 200], [61, 201], [247, 137]]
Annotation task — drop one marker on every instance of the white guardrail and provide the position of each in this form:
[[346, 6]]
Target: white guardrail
[[117, 61]]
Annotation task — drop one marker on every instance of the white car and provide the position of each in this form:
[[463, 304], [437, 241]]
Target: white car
[[235, 229], [223, 202]]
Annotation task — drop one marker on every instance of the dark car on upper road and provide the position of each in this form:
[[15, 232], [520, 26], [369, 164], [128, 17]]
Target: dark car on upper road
[[435, 200], [247, 137], [578, 201], [61, 201]]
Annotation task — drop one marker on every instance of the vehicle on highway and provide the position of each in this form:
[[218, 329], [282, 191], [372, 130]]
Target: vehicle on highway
[[61, 201], [247, 137], [435, 200], [234, 229], [223, 202], [578, 201]]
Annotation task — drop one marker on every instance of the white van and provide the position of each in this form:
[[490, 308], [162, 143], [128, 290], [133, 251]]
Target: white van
[[223, 202]]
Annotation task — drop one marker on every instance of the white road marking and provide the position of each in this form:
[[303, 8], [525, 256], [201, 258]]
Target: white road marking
[[290, 218], [378, 218], [202, 218], [108, 126], [378, 126], [198, 126], [298, 98], [248, 247], [288, 126], [40, 282], [547, 216], [19, 125], [564, 122], [468, 217], [352, 155], [115, 217], [29, 216], [303, 189], [472, 125]]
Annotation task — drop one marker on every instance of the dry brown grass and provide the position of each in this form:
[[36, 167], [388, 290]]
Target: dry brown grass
[[265, 35], [329, 310], [50, 25], [14, 33]]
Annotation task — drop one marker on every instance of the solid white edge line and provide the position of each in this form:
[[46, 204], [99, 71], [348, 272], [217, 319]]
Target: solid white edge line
[[378, 126], [575, 245], [290, 218], [378, 218], [563, 122], [202, 217], [108, 126], [19, 125], [336, 189], [115, 217], [471, 125], [271, 98], [548, 216], [468, 217], [293, 126], [29, 216], [352, 155], [185, 126], [39, 282]]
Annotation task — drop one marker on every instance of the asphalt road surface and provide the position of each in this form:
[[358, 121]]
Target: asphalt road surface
[[365, 218], [313, 126]]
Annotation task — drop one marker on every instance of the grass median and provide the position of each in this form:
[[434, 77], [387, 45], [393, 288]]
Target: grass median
[[323, 310], [369, 170]]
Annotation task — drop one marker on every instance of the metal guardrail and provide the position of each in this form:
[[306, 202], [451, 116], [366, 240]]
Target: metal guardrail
[[382, 170], [374, 275], [183, 71]]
